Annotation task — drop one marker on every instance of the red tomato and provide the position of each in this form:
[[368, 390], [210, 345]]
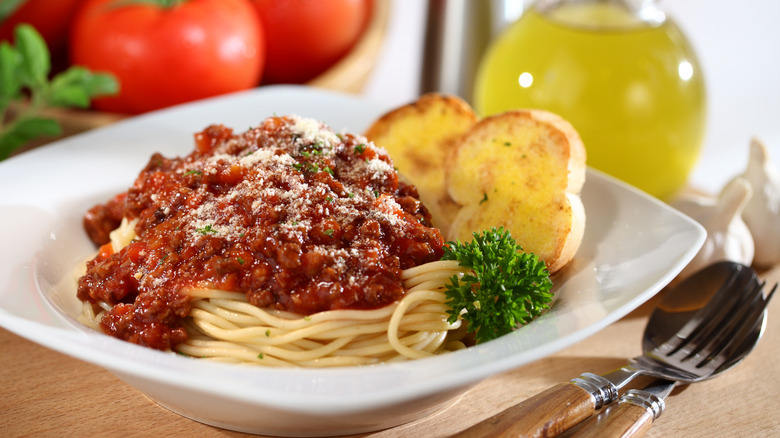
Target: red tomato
[[168, 55], [305, 37], [51, 18]]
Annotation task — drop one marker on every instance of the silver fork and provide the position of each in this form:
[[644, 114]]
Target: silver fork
[[701, 350], [710, 347]]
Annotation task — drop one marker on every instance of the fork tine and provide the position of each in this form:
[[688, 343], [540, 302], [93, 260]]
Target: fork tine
[[732, 319], [759, 324], [739, 332], [710, 317], [771, 293]]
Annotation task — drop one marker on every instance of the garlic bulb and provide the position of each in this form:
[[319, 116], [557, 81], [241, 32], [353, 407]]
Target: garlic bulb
[[762, 213], [728, 237]]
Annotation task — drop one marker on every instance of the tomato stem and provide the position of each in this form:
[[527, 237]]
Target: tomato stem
[[8, 7], [166, 4]]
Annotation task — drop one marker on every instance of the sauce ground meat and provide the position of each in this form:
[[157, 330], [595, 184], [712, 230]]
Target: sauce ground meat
[[101, 219], [294, 215]]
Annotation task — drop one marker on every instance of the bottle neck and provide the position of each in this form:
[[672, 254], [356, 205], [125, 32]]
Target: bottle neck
[[603, 14]]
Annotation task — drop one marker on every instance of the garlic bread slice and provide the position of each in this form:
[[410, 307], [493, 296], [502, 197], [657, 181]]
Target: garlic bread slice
[[523, 170]]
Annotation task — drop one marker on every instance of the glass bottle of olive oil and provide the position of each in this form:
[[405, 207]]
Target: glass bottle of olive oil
[[620, 71]]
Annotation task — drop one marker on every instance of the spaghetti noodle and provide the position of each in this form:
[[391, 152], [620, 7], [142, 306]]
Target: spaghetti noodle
[[223, 326]]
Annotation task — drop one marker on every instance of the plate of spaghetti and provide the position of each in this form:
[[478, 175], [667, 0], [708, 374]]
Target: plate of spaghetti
[[282, 279]]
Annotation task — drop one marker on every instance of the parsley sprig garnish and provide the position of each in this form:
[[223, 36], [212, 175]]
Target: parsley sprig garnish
[[505, 288]]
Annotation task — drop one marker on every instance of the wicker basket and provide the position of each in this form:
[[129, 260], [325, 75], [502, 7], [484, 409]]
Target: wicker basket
[[351, 73]]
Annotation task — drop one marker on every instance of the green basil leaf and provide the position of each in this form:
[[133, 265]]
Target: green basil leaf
[[35, 57], [9, 69], [25, 129], [102, 84], [76, 86], [72, 95], [68, 89]]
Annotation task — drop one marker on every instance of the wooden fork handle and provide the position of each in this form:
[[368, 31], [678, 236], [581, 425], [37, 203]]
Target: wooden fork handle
[[546, 414]]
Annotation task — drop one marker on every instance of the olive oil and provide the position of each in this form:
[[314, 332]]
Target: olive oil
[[633, 89]]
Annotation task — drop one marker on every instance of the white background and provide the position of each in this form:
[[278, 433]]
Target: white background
[[738, 44]]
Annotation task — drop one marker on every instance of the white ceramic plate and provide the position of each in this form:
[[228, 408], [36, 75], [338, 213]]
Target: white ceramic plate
[[633, 246]]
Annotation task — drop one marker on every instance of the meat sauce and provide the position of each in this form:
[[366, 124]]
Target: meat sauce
[[294, 215]]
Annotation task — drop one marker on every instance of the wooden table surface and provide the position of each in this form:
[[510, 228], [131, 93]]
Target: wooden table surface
[[44, 393]]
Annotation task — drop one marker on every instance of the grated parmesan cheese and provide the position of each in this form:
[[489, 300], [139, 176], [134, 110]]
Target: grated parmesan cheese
[[281, 195]]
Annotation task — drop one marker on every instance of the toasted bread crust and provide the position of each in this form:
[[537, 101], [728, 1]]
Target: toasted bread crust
[[420, 137]]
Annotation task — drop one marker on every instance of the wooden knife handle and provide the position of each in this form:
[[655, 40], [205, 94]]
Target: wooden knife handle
[[546, 414], [623, 420]]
